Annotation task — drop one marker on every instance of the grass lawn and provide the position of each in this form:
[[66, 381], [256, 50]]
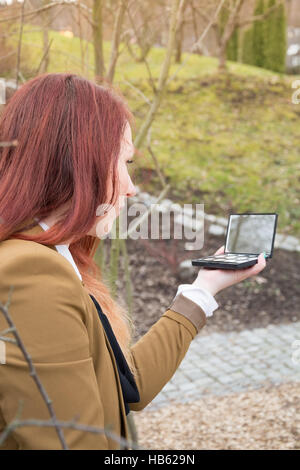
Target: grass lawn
[[230, 141]]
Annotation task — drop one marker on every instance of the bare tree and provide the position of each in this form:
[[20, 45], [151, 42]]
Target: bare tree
[[232, 21], [98, 38], [144, 29], [20, 43], [45, 60], [176, 13], [116, 39], [180, 34]]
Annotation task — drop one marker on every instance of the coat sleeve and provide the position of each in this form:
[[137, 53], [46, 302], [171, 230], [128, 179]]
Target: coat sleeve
[[48, 312], [158, 354]]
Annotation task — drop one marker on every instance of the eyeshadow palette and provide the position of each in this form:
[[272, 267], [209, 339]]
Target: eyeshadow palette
[[247, 236]]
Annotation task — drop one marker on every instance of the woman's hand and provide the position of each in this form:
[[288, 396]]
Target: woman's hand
[[215, 280]]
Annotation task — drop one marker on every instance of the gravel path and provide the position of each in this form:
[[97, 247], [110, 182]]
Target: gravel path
[[267, 418], [238, 390], [222, 364]]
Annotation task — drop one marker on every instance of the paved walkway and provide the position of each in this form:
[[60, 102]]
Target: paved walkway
[[222, 364]]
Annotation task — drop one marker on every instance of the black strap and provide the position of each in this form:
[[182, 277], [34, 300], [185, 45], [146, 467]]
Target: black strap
[[129, 388]]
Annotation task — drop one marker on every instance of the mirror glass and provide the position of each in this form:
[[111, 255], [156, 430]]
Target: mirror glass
[[250, 233]]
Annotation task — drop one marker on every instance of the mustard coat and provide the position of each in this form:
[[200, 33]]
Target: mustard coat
[[60, 328]]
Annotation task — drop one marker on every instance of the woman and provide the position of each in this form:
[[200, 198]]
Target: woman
[[74, 147]]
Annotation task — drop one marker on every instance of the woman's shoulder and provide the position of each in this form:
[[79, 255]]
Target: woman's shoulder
[[23, 257], [21, 247], [46, 300]]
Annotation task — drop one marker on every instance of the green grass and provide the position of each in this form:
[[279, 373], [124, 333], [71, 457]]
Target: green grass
[[230, 141]]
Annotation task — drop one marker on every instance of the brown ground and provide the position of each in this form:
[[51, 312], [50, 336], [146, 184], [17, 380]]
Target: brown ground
[[267, 418]]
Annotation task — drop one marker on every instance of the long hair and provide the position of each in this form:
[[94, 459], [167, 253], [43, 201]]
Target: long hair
[[68, 132]]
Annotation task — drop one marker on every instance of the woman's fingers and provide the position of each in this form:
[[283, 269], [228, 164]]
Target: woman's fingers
[[254, 270], [220, 251], [215, 280], [260, 265]]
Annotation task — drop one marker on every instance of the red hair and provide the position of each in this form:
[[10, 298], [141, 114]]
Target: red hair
[[69, 133]]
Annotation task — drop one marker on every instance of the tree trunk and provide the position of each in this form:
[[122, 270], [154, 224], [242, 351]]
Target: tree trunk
[[195, 28], [45, 62], [180, 36], [164, 72], [116, 40], [98, 39], [222, 57]]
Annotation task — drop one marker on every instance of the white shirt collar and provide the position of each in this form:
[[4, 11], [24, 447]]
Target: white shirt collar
[[64, 251]]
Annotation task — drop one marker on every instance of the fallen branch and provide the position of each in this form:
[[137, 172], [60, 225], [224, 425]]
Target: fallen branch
[[16, 423]]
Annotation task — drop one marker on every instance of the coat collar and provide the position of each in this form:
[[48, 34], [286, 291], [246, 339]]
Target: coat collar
[[32, 227]]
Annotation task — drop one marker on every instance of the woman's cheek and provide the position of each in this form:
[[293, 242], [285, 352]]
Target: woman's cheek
[[104, 225]]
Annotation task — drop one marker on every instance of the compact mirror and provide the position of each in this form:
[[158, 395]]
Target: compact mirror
[[247, 236], [250, 233]]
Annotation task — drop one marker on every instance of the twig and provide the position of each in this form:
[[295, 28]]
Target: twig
[[16, 423], [176, 11], [258, 17], [22, 76], [198, 42], [70, 56], [128, 284], [139, 92], [145, 215], [158, 170], [78, 20], [46, 7], [115, 53], [143, 57], [44, 56], [8, 340], [20, 42], [7, 330], [8, 55], [212, 21]]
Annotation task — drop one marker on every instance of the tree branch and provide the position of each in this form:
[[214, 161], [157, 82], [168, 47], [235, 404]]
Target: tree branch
[[158, 170], [47, 7], [177, 6], [116, 39], [16, 423], [20, 43], [138, 222], [258, 17], [196, 44]]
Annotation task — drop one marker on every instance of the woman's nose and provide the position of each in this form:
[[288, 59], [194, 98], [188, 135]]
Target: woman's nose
[[131, 190]]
